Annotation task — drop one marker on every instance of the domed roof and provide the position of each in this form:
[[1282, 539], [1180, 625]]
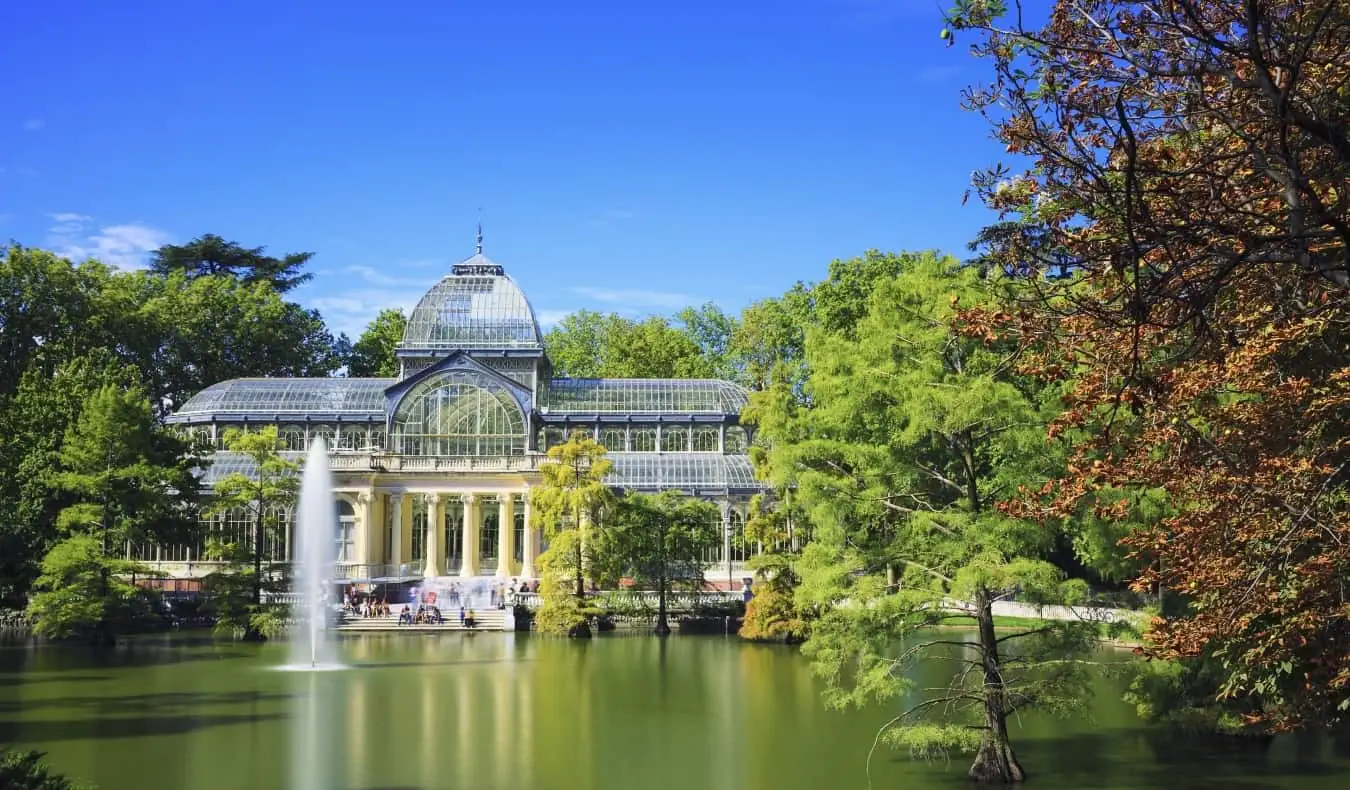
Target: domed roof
[[476, 306]]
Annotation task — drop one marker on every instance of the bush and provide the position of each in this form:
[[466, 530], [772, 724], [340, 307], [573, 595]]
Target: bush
[[25, 771], [771, 617]]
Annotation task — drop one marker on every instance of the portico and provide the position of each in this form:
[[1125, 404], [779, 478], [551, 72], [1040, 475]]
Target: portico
[[412, 531]]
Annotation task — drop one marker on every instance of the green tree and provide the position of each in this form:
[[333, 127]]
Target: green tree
[[909, 434], [568, 508], [712, 330], [264, 496], [771, 615], [661, 540], [209, 329], [372, 355], [130, 483], [211, 256], [587, 344], [64, 326], [768, 344], [577, 345], [25, 771]]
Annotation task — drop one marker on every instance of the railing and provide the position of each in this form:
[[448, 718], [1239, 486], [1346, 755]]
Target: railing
[[348, 571], [367, 462], [628, 600]]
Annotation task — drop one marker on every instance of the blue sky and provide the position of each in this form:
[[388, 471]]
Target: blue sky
[[627, 156]]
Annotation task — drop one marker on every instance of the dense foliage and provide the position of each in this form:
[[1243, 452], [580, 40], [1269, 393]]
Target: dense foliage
[[25, 771], [1187, 171]]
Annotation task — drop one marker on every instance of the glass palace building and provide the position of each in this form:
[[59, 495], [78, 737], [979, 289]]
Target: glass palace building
[[432, 469]]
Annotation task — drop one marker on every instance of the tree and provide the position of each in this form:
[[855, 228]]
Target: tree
[[712, 330], [372, 355], [577, 346], [25, 771], [769, 342], [131, 483], [587, 344], [661, 540], [211, 256], [210, 329], [64, 326], [910, 434], [1186, 164], [568, 506], [264, 497], [772, 615]]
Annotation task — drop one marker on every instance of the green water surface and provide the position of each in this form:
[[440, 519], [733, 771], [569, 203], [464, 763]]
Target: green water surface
[[517, 712]]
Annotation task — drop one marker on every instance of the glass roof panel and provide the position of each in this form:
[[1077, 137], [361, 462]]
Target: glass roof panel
[[319, 397], [640, 471], [473, 310], [655, 396], [658, 471]]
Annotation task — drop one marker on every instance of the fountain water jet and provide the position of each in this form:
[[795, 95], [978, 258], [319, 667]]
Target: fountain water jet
[[312, 645]]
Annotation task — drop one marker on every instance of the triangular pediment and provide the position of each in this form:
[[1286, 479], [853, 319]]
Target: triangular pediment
[[459, 361]]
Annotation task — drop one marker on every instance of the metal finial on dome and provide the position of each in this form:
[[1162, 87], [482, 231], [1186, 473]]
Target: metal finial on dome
[[479, 247]]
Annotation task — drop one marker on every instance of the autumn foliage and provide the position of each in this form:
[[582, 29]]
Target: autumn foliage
[[1183, 229]]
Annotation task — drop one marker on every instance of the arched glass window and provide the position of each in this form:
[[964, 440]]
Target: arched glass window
[[324, 432], [705, 439], [552, 438], [615, 440], [458, 413], [454, 534], [642, 440], [374, 440], [346, 532], [674, 439], [351, 438], [736, 440], [741, 550], [291, 438]]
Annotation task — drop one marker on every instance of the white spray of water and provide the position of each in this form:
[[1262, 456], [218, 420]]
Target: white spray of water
[[316, 555]]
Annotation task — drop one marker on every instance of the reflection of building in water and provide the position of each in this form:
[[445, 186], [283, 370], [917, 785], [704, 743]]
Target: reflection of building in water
[[432, 467]]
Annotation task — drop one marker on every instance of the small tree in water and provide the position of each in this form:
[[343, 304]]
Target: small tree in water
[[568, 507], [661, 541], [262, 497], [907, 437]]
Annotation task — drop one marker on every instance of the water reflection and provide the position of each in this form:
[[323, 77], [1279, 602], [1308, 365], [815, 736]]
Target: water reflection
[[506, 711]]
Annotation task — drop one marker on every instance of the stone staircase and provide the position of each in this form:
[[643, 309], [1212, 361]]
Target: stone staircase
[[485, 620]]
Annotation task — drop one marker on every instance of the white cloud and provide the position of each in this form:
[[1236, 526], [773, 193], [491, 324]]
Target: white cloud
[[377, 277], [638, 297], [551, 318], [34, 125], [78, 237]]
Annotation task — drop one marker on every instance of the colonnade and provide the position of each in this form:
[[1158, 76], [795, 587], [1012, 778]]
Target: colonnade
[[387, 527]]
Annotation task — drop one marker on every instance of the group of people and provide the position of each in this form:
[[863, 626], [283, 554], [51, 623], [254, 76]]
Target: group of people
[[364, 606], [430, 614]]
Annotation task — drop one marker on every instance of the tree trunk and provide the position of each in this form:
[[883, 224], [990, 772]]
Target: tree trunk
[[257, 557], [252, 634], [995, 761], [662, 627]]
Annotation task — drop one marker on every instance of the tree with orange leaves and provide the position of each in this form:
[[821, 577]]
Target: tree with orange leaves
[[1188, 192]]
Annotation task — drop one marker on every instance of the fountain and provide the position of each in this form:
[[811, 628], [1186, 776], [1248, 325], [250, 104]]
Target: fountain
[[316, 554]]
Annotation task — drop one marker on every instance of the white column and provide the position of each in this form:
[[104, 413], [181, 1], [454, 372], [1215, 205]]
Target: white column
[[469, 567], [365, 527], [435, 517], [506, 533], [725, 507], [396, 539], [527, 552]]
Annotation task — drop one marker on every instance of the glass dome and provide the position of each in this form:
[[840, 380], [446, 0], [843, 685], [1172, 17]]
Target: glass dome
[[476, 306]]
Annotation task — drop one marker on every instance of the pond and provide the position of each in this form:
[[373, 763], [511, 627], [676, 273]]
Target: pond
[[520, 712]]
